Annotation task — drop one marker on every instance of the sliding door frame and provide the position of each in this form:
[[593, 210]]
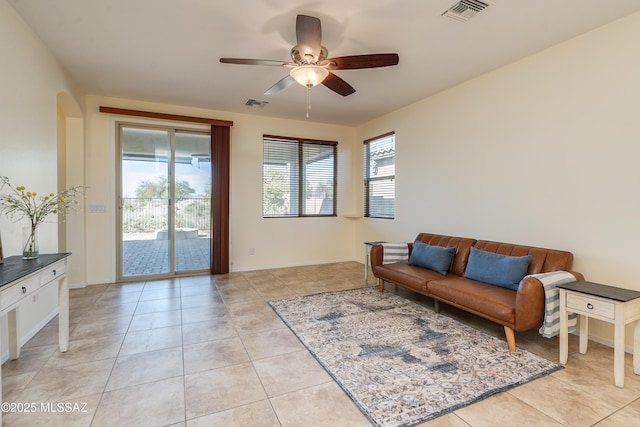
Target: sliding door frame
[[172, 129]]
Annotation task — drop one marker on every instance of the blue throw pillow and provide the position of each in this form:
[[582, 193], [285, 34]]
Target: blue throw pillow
[[495, 269], [436, 258]]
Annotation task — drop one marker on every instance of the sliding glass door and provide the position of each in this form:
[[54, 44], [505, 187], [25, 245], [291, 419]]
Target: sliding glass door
[[192, 205], [164, 201]]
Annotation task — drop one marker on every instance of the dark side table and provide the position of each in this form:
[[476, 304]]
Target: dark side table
[[608, 303]]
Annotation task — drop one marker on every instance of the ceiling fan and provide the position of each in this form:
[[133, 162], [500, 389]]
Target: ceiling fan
[[310, 65]]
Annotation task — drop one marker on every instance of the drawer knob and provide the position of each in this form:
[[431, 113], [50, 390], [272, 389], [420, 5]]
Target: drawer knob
[[24, 289], [590, 306], [54, 272]]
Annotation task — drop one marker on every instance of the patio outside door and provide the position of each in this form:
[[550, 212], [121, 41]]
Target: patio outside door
[[164, 202]]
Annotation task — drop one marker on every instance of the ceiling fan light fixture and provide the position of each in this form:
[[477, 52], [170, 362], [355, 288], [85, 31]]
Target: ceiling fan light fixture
[[309, 75]]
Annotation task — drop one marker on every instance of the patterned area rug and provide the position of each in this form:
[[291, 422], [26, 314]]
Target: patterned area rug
[[402, 363]]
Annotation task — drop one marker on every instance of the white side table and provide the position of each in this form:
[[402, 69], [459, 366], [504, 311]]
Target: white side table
[[368, 246], [610, 304]]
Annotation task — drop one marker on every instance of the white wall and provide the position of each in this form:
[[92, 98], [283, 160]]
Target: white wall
[[282, 242], [30, 81], [277, 242], [541, 152]]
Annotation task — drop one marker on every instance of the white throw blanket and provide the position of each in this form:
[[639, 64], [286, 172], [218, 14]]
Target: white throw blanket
[[395, 252], [551, 325]]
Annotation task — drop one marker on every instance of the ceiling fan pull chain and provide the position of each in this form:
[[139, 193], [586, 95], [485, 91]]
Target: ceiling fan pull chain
[[308, 99]]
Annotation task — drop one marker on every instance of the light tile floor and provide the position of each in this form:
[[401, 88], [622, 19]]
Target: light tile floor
[[208, 351]]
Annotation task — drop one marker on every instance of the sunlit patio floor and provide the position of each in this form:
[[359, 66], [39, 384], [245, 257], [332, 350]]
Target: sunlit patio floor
[[143, 257]]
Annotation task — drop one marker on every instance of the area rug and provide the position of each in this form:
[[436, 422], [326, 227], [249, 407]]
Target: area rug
[[400, 362]]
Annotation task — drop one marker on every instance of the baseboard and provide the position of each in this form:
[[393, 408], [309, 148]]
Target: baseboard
[[271, 267], [97, 283], [628, 348], [609, 343]]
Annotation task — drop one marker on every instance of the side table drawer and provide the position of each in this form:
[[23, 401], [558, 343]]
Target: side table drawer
[[591, 305], [52, 272], [17, 291]]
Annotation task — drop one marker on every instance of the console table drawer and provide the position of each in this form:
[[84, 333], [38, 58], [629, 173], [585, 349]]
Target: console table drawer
[[592, 305], [18, 291], [52, 272]]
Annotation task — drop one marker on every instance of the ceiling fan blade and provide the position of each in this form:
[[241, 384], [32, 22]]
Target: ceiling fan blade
[[309, 37], [242, 61], [338, 85], [356, 62], [282, 84]]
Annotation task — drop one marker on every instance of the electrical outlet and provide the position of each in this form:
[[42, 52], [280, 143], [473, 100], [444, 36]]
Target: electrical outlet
[[252, 251]]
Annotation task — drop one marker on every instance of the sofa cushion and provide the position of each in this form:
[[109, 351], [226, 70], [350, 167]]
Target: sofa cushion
[[496, 269], [462, 245], [542, 260], [491, 302], [409, 276], [436, 258]]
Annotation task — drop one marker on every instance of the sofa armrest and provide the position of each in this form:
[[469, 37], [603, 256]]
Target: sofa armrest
[[375, 256], [578, 276], [530, 302]]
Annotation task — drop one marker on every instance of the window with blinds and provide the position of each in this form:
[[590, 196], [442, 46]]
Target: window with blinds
[[380, 176], [299, 177]]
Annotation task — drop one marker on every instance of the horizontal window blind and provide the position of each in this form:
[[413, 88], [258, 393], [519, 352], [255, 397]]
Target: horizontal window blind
[[379, 176], [299, 177]]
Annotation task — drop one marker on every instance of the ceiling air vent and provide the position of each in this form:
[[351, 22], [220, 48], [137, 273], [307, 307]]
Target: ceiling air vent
[[464, 10], [252, 102]]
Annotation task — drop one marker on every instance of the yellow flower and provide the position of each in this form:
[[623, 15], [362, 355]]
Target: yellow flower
[[24, 203]]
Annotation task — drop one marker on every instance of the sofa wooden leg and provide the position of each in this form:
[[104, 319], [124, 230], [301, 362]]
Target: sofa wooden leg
[[511, 338], [381, 285], [436, 306]]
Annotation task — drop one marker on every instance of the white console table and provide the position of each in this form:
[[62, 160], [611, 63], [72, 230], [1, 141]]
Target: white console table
[[20, 279]]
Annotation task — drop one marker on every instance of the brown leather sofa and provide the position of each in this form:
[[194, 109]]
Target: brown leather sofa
[[519, 310]]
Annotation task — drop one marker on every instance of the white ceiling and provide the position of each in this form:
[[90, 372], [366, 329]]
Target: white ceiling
[[168, 50]]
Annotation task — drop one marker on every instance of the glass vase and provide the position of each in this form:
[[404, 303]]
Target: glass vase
[[30, 242]]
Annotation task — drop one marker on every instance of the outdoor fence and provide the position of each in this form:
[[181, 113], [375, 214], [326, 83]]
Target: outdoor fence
[[147, 215]]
